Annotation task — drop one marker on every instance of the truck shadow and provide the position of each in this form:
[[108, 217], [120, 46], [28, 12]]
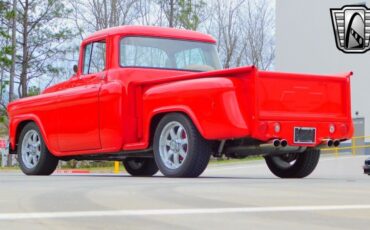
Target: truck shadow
[[210, 178]]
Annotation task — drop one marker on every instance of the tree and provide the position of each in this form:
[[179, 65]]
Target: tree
[[33, 91], [185, 14], [100, 14], [226, 27], [169, 7], [14, 44], [6, 49], [41, 35], [244, 30], [190, 13], [259, 34]]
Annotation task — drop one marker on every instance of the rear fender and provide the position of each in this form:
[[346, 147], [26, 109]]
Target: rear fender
[[211, 104]]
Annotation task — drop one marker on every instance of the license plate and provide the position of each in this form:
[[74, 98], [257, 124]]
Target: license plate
[[304, 135]]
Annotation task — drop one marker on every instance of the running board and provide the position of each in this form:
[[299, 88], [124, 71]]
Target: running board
[[118, 156]]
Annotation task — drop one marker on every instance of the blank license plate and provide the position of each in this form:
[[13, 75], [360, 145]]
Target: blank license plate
[[304, 135]]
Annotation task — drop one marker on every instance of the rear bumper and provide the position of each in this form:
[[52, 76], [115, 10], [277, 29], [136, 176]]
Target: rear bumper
[[266, 130]]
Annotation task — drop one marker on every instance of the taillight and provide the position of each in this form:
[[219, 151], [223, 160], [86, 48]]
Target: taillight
[[277, 127], [331, 128]]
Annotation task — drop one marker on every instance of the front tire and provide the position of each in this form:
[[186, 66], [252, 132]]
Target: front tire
[[140, 166], [179, 149], [33, 156], [294, 165]]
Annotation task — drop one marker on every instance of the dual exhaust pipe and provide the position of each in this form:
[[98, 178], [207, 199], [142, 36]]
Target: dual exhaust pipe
[[283, 143], [331, 143], [275, 146], [279, 143]]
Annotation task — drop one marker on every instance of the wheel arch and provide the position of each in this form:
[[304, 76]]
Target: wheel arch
[[212, 104], [17, 126], [158, 115]]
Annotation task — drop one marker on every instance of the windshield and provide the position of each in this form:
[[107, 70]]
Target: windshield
[[168, 54]]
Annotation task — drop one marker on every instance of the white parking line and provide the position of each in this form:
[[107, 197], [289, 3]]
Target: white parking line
[[234, 167], [159, 212], [343, 157], [257, 164]]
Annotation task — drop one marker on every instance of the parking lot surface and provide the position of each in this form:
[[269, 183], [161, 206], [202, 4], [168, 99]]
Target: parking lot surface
[[230, 196]]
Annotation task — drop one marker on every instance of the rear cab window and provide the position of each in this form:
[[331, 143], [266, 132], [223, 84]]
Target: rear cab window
[[166, 53]]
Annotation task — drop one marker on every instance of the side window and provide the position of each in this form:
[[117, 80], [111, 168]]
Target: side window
[[87, 56], [94, 57], [189, 57]]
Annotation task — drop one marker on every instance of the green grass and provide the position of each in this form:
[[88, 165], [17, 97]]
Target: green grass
[[3, 128], [12, 168]]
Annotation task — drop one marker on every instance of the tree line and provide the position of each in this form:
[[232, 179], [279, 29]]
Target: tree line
[[39, 39]]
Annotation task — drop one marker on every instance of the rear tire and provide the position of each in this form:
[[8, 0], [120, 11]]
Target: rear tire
[[140, 166], [179, 149], [294, 165], [33, 156]]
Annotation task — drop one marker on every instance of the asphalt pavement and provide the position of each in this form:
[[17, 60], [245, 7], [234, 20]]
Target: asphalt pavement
[[230, 196]]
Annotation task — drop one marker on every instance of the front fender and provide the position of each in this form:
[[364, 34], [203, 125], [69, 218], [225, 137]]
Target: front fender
[[40, 109], [15, 123]]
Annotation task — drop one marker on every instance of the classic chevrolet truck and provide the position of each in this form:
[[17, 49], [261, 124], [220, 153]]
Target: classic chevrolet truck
[[158, 99]]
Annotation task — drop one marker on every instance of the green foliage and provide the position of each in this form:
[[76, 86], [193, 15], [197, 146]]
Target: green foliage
[[5, 53], [5, 49], [33, 91], [189, 13], [183, 13], [2, 117], [9, 15], [45, 40], [3, 121], [3, 85]]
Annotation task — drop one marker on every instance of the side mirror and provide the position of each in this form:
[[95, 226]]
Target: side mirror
[[75, 68]]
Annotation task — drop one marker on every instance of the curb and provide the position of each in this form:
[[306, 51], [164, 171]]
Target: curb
[[69, 171]]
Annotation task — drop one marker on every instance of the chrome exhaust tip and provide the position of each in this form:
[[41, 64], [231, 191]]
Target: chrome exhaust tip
[[336, 143], [284, 143], [276, 142], [330, 143]]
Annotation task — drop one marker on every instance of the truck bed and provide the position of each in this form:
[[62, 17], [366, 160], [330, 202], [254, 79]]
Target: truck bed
[[290, 99]]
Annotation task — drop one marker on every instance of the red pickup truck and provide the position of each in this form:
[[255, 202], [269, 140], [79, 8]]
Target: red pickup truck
[[158, 98]]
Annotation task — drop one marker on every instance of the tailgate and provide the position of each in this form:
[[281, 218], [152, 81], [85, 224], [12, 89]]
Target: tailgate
[[302, 97]]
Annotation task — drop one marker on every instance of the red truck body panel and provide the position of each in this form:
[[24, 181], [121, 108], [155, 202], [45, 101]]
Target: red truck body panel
[[114, 110]]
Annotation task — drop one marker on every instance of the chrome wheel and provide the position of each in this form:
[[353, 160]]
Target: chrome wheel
[[173, 145], [31, 149], [179, 149]]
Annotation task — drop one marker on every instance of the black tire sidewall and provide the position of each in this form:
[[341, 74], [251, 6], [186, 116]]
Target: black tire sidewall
[[304, 165], [195, 140], [149, 167], [46, 161]]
